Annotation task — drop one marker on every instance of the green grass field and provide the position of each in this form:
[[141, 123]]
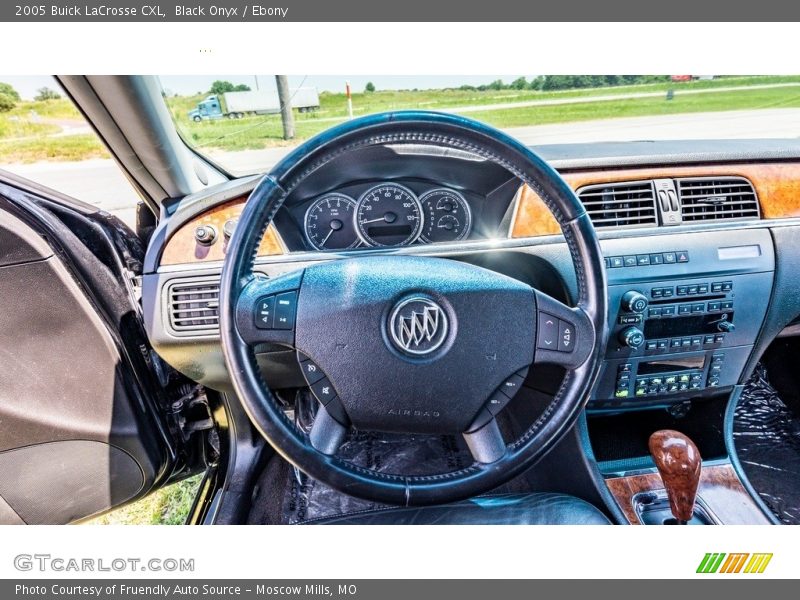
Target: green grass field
[[167, 506], [265, 131], [29, 132]]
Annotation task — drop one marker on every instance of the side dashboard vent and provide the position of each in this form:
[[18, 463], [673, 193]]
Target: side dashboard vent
[[193, 306], [713, 198], [629, 204]]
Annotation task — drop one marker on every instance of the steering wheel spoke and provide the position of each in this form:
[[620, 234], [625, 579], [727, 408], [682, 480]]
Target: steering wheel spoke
[[485, 442], [327, 433], [564, 335], [266, 310]]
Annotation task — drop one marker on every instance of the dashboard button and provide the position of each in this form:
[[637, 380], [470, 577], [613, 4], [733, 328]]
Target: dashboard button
[[669, 292], [727, 286], [656, 259], [265, 310], [285, 308], [642, 260], [682, 256], [716, 286], [702, 288], [683, 290], [630, 261], [616, 262], [662, 344], [669, 258]]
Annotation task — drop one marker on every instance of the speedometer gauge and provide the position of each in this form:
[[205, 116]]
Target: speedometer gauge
[[447, 216], [329, 222], [388, 215]]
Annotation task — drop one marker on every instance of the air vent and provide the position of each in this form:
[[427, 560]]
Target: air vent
[[194, 305], [712, 198], [630, 204]]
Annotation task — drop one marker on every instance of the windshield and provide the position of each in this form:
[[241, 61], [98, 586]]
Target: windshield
[[237, 122]]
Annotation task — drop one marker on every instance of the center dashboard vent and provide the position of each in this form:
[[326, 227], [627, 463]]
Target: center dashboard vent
[[713, 198], [193, 306], [620, 204]]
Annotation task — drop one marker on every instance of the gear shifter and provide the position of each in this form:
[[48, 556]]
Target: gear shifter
[[678, 462]]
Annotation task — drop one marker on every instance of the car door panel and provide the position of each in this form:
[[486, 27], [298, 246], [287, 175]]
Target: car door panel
[[79, 427]]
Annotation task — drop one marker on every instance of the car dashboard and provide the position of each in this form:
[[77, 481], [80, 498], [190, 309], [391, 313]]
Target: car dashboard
[[695, 237]]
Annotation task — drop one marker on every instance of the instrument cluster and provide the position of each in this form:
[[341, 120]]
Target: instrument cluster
[[386, 215]]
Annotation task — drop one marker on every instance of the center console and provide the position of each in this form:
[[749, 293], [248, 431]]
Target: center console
[[684, 315]]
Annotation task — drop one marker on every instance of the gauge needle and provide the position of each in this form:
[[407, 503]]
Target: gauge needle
[[389, 217], [322, 243]]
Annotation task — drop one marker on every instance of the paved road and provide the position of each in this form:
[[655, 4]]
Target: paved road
[[739, 124], [100, 182]]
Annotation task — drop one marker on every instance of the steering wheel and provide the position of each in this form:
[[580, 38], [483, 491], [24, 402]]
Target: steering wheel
[[411, 344]]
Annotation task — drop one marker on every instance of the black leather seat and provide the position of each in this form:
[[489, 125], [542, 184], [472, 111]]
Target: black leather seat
[[506, 509]]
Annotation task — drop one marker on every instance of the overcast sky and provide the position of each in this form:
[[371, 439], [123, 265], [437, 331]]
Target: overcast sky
[[190, 84]]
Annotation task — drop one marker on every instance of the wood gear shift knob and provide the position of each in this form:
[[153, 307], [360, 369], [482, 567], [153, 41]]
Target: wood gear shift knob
[[679, 463]]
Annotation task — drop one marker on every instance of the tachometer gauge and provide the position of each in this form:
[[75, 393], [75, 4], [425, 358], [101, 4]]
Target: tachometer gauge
[[329, 223], [388, 215], [447, 216]]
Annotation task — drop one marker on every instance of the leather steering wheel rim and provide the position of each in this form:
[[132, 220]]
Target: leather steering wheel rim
[[448, 131]]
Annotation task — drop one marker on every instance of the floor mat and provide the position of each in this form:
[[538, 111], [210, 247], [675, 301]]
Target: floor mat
[[766, 435], [308, 499]]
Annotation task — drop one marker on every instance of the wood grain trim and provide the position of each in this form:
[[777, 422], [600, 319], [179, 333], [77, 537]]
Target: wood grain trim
[[182, 248], [719, 488], [777, 186]]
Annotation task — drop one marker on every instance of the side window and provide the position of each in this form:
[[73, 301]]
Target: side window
[[44, 138]]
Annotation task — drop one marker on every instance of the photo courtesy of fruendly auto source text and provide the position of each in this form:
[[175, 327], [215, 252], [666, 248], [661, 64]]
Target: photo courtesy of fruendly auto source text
[[507, 292]]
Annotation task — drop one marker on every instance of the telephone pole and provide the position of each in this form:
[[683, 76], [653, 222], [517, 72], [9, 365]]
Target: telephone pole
[[285, 98]]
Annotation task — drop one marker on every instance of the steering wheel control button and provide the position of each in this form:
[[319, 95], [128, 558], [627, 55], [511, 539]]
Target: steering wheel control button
[[265, 312], [323, 390], [547, 337], [311, 371], [566, 336], [511, 385], [285, 309], [497, 402]]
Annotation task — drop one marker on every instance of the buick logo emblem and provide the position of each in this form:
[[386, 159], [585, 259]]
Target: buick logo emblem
[[418, 326]]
